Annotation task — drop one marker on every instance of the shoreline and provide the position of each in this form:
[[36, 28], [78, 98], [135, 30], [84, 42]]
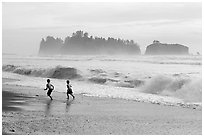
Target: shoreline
[[93, 115]]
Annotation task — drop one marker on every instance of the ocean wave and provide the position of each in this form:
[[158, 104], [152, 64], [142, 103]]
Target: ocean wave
[[99, 90], [97, 71], [134, 83], [58, 72], [97, 76], [189, 89], [177, 85], [171, 62], [9, 67], [182, 60], [98, 80]]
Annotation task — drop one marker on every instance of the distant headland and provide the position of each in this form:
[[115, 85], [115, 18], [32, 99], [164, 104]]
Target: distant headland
[[157, 48], [81, 43]]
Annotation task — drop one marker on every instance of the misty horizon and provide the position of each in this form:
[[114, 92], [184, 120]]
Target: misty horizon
[[142, 22]]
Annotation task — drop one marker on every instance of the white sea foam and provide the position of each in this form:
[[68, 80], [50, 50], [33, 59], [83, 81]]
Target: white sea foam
[[188, 89], [177, 81], [93, 89]]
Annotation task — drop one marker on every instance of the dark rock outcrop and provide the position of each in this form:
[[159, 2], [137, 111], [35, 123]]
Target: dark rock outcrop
[[158, 48], [81, 43]]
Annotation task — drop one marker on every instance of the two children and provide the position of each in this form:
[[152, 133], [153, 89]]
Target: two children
[[50, 88]]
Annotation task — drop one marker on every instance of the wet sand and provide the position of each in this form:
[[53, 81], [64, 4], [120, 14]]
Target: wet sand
[[27, 110]]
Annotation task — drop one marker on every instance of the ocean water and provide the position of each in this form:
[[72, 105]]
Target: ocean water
[[168, 80]]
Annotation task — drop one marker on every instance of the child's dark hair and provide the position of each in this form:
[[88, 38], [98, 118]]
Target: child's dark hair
[[48, 80], [68, 81]]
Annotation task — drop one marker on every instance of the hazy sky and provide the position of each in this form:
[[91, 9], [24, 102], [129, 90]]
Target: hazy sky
[[25, 24]]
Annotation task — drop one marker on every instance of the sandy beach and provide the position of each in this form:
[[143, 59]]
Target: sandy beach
[[27, 110], [134, 68]]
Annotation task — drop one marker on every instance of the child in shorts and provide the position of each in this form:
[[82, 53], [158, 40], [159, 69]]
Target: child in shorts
[[69, 90], [50, 88]]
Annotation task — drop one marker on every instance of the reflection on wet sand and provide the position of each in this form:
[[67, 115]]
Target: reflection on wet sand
[[48, 106], [14, 101], [68, 105], [51, 105]]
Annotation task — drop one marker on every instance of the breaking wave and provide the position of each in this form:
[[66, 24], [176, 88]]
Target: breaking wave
[[58, 72], [188, 89], [97, 76], [98, 80], [180, 86]]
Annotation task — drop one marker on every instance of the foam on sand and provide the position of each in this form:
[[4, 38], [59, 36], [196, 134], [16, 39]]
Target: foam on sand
[[99, 90]]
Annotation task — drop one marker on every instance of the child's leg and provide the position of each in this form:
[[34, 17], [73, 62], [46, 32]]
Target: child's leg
[[67, 95], [50, 97], [49, 94], [72, 96]]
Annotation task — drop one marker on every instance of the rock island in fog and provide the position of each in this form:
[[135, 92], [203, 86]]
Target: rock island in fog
[[81, 43], [157, 48]]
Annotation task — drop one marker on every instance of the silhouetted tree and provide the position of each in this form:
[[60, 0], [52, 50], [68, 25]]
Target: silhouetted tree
[[81, 43]]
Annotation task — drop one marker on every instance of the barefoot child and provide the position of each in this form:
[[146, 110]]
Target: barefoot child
[[50, 88], [69, 90]]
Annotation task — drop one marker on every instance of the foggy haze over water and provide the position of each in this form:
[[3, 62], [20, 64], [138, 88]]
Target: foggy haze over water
[[25, 24]]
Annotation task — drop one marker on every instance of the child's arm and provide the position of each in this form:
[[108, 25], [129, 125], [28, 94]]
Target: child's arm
[[45, 88], [52, 87]]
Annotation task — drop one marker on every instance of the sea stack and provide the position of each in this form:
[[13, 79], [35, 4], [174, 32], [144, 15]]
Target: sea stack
[[81, 43], [157, 48]]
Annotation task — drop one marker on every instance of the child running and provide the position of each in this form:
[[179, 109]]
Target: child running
[[50, 88], [69, 90]]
